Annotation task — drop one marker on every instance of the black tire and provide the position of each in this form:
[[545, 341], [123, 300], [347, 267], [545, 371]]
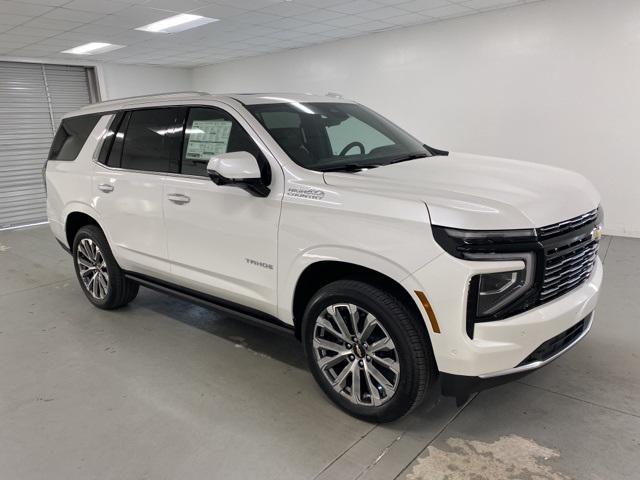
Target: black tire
[[413, 350], [120, 290]]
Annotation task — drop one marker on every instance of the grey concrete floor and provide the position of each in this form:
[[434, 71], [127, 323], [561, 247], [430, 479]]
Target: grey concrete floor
[[163, 389]]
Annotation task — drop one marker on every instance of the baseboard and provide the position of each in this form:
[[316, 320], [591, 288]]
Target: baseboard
[[620, 232]]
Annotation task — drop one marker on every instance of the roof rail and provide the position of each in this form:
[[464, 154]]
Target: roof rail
[[138, 97]]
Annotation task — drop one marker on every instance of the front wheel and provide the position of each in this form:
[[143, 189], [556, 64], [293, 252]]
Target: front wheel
[[366, 350]]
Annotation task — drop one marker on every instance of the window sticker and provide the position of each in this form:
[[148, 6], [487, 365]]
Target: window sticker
[[207, 138]]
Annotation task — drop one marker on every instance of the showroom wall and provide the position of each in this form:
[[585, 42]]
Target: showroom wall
[[125, 80], [117, 80], [536, 82]]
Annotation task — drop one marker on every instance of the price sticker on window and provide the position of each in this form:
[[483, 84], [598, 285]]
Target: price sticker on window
[[207, 138]]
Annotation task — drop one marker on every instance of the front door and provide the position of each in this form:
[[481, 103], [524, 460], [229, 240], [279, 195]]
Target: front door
[[222, 240]]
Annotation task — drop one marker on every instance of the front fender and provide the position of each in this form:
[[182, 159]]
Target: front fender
[[288, 280]]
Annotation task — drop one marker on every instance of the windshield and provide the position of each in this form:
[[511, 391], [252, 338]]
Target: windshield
[[336, 136]]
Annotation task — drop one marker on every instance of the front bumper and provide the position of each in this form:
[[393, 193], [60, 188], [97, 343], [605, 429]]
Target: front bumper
[[499, 347], [461, 386]]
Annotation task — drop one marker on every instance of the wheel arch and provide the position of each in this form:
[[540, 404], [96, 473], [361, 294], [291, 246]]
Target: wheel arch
[[77, 216], [323, 272]]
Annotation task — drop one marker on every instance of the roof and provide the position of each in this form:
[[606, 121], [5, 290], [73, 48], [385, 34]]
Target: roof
[[261, 98], [179, 97]]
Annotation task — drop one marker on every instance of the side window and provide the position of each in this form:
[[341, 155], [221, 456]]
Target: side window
[[351, 130], [71, 136], [212, 131], [150, 140], [113, 155]]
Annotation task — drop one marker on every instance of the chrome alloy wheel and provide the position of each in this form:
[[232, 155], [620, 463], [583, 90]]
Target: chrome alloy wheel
[[356, 354], [92, 268]]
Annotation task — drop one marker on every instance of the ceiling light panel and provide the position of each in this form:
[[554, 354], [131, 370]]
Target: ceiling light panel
[[177, 23], [93, 48]]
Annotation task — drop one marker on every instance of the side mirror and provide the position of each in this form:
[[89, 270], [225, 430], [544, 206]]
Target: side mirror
[[237, 169]]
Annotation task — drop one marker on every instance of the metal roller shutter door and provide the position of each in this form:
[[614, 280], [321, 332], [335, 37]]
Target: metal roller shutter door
[[33, 99]]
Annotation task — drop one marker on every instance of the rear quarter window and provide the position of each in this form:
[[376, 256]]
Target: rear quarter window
[[71, 136]]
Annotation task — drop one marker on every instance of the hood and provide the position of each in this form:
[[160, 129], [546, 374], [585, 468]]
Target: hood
[[480, 193]]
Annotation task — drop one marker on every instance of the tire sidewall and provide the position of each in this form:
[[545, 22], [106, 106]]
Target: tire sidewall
[[405, 393]]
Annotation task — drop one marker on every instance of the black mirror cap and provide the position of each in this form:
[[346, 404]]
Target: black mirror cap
[[255, 186]]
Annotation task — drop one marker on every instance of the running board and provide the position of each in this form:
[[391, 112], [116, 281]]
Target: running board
[[255, 317]]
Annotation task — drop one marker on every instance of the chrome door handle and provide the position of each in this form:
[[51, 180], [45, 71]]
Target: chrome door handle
[[178, 198], [105, 187]]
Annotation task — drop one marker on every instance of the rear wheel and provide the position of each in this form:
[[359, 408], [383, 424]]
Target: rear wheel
[[367, 351], [100, 277]]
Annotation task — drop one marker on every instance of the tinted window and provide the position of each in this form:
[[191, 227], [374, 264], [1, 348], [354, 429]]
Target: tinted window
[[212, 131], [329, 136], [114, 151], [151, 140], [71, 136]]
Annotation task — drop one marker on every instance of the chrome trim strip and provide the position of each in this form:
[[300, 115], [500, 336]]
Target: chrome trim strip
[[541, 363], [118, 169], [570, 224], [151, 172]]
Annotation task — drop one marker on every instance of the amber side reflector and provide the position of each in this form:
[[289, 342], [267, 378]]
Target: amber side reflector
[[427, 308]]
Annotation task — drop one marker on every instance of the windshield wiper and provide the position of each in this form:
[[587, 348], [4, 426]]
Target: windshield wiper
[[436, 152], [349, 167], [412, 156]]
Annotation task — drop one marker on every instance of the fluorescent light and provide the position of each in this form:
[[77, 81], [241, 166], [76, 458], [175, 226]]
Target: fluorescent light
[[177, 23], [93, 48]]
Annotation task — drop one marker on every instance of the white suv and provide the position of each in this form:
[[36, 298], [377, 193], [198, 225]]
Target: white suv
[[396, 264]]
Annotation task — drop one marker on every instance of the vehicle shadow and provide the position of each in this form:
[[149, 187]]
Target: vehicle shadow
[[256, 337]]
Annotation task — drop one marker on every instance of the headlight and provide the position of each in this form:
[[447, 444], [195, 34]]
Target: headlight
[[494, 291], [459, 243], [495, 295]]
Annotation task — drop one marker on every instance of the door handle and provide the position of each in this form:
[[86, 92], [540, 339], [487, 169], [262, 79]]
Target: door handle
[[178, 198], [105, 187]]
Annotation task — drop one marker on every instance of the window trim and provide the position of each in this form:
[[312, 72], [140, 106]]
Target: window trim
[[103, 135], [105, 145], [237, 116], [123, 125]]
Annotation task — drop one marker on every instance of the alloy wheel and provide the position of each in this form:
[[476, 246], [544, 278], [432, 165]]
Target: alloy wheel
[[356, 354], [92, 268]]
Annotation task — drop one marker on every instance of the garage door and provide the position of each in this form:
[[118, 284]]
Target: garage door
[[33, 99]]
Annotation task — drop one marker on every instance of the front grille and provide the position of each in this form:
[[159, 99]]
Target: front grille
[[569, 262], [567, 226], [556, 344]]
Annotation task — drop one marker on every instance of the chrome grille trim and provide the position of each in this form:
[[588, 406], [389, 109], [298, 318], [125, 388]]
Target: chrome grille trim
[[567, 225], [566, 266]]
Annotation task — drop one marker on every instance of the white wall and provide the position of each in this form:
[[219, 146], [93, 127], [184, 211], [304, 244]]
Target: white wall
[[118, 81], [555, 82]]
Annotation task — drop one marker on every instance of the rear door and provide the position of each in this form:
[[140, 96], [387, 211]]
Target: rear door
[[128, 184]]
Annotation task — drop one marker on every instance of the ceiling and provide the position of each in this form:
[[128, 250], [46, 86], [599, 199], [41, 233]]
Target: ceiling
[[41, 29]]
